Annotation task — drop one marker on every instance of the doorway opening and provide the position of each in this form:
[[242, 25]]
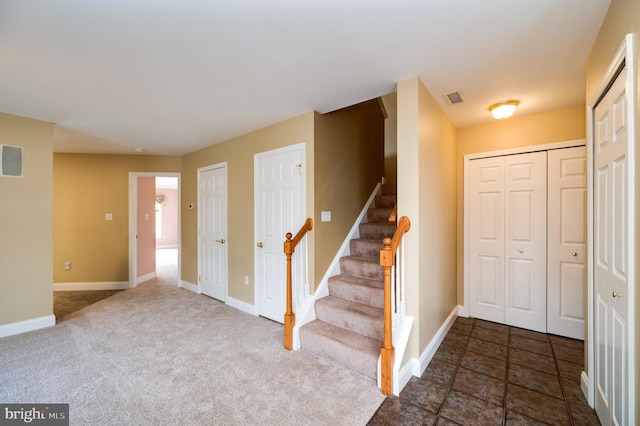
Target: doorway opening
[[154, 227]]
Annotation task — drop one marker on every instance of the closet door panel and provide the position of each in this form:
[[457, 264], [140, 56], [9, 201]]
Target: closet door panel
[[566, 276], [526, 240], [486, 258]]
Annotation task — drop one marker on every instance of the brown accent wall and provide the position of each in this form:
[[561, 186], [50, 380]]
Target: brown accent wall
[[25, 223], [349, 163]]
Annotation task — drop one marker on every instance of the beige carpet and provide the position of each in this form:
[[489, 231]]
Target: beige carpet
[[158, 354]]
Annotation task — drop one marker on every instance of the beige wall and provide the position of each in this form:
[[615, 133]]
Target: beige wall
[[622, 18], [426, 194], [25, 223], [349, 162], [555, 126], [85, 187], [239, 155]]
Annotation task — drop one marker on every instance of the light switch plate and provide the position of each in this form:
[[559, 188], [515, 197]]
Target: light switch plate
[[108, 216], [326, 216]]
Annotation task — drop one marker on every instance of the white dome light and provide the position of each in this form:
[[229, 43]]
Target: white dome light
[[503, 109]]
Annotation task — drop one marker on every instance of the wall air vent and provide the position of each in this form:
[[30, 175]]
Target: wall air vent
[[454, 98], [10, 161]]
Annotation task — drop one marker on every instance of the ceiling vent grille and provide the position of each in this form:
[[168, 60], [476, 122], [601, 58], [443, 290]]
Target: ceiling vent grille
[[454, 98]]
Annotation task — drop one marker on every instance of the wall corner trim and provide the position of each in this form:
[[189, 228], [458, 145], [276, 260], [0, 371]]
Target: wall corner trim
[[27, 325]]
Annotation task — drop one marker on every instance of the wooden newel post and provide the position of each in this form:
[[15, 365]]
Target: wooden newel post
[[289, 316], [387, 350]]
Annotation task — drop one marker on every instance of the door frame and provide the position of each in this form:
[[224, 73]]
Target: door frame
[[303, 249], [200, 170], [133, 222], [626, 55], [464, 310]]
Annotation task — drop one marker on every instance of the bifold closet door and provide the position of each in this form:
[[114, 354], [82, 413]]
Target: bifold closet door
[[508, 231], [566, 269]]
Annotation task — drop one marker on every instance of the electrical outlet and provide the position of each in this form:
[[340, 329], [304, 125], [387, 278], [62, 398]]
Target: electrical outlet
[[246, 280], [326, 216], [67, 264]]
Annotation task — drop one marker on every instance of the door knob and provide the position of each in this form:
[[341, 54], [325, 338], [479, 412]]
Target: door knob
[[574, 254], [260, 245], [521, 251], [616, 294], [221, 241]]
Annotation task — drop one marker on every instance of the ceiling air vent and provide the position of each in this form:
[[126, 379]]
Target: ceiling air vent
[[454, 98]]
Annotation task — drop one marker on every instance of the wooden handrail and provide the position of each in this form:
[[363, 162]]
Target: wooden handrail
[[387, 260], [394, 213], [289, 249]]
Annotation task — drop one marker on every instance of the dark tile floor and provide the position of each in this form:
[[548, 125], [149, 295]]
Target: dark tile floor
[[485, 373]]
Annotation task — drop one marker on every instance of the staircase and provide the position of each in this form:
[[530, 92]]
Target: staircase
[[348, 328]]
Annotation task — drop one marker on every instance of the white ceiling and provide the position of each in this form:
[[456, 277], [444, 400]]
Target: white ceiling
[[174, 76]]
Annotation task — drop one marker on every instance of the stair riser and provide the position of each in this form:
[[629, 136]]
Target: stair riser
[[357, 293], [366, 248], [379, 215], [350, 320], [377, 231], [388, 200], [362, 269], [327, 348]]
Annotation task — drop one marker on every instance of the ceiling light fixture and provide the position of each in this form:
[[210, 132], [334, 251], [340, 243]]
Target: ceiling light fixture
[[503, 109], [138, 150]]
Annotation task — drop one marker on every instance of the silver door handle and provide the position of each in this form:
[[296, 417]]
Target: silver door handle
[[521, 251]]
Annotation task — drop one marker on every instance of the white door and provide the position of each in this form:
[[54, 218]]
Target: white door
[[212, 230], [508, 240], [279, 208], [486, 259], [611, 233], [566, 267], [525, 216]]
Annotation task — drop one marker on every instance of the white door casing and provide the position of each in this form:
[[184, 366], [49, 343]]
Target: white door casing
[[611, 255], [212, 231], [279, 208], [566, 246]]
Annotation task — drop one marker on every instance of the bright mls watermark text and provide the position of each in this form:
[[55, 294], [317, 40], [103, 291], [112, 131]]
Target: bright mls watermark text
[[34, 414]]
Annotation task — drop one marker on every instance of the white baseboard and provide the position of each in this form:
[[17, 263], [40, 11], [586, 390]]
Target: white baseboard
[[434, 344], [584, 386], [27, 325], [146, 277], [107, 285], [242, 306], [189, 286]]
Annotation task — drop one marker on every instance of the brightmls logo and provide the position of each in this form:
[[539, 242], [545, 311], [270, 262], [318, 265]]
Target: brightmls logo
[[36, 414]]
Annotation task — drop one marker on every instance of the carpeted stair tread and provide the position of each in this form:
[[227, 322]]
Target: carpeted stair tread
[[347, 348], [377, 231], [379, 214], [365, 247], [364, 267], [359, 317], [357, 289]]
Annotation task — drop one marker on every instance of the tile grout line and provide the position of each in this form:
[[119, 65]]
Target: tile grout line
[[455, 373], [564, 395], [506, 380]]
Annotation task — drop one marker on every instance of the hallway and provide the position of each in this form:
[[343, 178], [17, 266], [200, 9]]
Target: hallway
[[485, 373]]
